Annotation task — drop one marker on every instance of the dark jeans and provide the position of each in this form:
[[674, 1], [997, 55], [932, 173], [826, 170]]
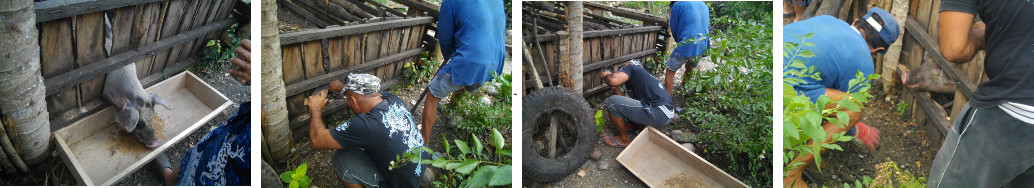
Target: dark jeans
[[985, 148]]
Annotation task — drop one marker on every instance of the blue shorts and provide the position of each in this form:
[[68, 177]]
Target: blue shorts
[[441, 86], [674, 63]]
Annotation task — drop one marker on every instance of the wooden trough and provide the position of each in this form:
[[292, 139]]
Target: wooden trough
[[660, 162], [98, 152], [606, 42]]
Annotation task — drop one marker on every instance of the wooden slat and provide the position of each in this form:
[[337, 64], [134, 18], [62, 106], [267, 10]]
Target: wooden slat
[[310, 83], [56, 38], [963, 84], [89, 36], [170, 27], [621, 59], [57, 9], [431, 9], [630, 14], [145, 33], [298, 123], [601, 33], [317, 34], [302, 12], [77, 76]]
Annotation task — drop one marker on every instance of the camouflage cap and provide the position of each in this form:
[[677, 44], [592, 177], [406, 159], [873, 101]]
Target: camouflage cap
[[363, 84]]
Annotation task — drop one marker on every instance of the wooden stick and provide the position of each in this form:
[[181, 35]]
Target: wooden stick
[[310, 35]]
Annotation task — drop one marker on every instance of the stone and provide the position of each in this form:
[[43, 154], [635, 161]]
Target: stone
[[603, 165], [835, 177], [690, 147], [596, 154], [681, 137], [581, 173]]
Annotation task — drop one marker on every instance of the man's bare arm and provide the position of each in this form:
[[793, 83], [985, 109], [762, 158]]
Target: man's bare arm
[[960, 37], [614, 79], [319, 135]]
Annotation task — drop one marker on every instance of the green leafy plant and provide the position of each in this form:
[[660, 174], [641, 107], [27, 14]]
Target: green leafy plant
[[889, 174], [414, 73], [803, 119], [296, 178], [731, 104], [903, 108], [471, 164], [600, 121], [489, 107], [215, 52]]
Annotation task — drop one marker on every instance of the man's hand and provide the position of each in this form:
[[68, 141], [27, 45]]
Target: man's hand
[[243, 62], [976, 35], [336, 86], [316, 103], [605, 73]]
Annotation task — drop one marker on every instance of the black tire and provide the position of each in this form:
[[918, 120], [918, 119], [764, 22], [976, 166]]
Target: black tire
[[269, 177], [557, 100]]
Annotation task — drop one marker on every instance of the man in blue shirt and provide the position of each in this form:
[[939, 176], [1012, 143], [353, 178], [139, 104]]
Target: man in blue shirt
[[471, 35], [841, 51], [689, 23]]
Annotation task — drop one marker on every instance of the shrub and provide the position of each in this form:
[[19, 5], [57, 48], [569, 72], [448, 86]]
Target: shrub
[[471, 164]]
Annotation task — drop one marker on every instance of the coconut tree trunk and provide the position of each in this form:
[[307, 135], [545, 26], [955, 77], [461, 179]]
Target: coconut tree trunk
[[23, 110], [573, 67], [275, 130]]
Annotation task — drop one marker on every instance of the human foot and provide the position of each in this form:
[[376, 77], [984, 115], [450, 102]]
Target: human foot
[[616, 142]]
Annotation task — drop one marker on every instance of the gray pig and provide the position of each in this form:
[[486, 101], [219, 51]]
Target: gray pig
[[135, 105], [928, 77]]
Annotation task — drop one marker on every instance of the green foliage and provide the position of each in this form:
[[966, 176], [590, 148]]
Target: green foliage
[[732, 103], [489, 107], [889, 174], [296, 178], [903, 109], [600, 121], [471, 165], [744, 10], [803, 119], [215, 52], [412, 73], [865, 182]]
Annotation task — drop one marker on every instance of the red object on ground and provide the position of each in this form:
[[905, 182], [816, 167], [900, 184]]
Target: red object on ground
[[868, 135]]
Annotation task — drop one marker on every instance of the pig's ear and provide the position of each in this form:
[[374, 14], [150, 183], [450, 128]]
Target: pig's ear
[[128, 118], [158, 100]]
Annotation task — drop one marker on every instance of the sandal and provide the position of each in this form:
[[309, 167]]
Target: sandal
[[162, 162], [614, 142]]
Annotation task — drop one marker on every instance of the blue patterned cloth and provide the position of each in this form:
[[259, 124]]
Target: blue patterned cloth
[[223, 157]]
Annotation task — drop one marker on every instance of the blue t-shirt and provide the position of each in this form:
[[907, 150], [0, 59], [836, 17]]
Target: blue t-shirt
[[385, 132], [690, 20], [471, 34], [644, 87], [840, 52]]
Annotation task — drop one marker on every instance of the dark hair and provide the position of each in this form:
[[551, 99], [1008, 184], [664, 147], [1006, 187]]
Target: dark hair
[[872, 37]]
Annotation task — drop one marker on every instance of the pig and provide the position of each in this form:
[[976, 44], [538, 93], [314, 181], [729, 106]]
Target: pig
[[135, 105], [928, 77]]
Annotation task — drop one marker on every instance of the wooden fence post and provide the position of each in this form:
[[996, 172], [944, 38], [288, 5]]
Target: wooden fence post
[[24, 111], [275, 131]]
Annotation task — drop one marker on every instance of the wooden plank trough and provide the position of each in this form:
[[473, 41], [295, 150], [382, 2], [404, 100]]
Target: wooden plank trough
[[660, 162], [606, 42], [99, 152], [379, 45]]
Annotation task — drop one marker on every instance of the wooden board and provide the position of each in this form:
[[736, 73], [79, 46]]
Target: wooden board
[[100, 153], [89, 36], [660, 162], [56, 38]]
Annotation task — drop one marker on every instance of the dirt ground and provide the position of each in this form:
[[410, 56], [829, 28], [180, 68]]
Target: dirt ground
[[54, 171], [901, 141]]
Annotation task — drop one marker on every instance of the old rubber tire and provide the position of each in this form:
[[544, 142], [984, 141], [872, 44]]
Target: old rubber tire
[[561, 100]]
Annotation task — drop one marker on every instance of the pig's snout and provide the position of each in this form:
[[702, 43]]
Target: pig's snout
[[152, 145]]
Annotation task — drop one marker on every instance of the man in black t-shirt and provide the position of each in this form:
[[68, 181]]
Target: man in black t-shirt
[[989, 144], [368, 144], [650, 103]]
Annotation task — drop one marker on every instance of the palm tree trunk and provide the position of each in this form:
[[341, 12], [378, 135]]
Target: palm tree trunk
[[275, 130], [22, 107]]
